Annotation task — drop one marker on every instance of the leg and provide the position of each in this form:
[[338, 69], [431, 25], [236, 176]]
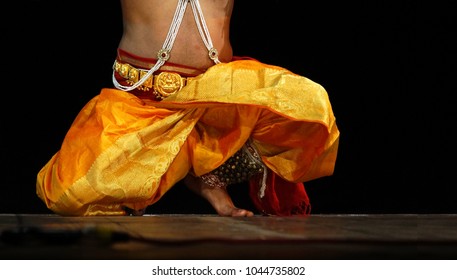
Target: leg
[[217, 197]]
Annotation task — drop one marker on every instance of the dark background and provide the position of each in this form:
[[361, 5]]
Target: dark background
[[378, 60]]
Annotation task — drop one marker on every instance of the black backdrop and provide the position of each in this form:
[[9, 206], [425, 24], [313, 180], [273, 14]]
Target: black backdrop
[[369, 55]]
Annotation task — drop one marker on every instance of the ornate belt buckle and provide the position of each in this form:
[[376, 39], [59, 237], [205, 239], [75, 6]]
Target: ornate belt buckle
[[167, 83]]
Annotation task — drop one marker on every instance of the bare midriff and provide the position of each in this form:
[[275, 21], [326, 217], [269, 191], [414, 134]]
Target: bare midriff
[[147, 22]]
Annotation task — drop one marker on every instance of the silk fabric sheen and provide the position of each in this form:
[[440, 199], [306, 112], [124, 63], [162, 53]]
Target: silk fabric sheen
[[125, 151]]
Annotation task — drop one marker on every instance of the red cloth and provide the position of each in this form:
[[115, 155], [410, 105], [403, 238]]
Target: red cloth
[[282, 198]]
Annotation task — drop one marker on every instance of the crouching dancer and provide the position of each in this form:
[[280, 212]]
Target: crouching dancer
[[183, 107]]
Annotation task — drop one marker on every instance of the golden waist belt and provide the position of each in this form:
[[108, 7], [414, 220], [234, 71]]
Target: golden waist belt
[[163, 84]]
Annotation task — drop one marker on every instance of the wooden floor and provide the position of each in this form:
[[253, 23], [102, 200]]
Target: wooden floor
[[213, 237]]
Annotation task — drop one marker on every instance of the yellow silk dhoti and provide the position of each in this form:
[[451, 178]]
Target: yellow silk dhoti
[[123, 151]]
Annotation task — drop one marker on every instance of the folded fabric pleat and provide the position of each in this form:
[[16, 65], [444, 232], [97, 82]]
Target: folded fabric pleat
[[123, 151]]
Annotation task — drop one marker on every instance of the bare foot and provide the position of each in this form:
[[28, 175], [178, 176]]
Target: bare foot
[[217, 197]]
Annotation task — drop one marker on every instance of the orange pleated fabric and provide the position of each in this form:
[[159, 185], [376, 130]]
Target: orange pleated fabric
[[123, 151]]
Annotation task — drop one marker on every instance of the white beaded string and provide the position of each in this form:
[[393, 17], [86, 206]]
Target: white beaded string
[[164, 54], [203, 29], [256, 158], [174, 28]]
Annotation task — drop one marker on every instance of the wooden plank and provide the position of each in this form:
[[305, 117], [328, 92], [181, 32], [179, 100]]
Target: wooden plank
[[214, 237]]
